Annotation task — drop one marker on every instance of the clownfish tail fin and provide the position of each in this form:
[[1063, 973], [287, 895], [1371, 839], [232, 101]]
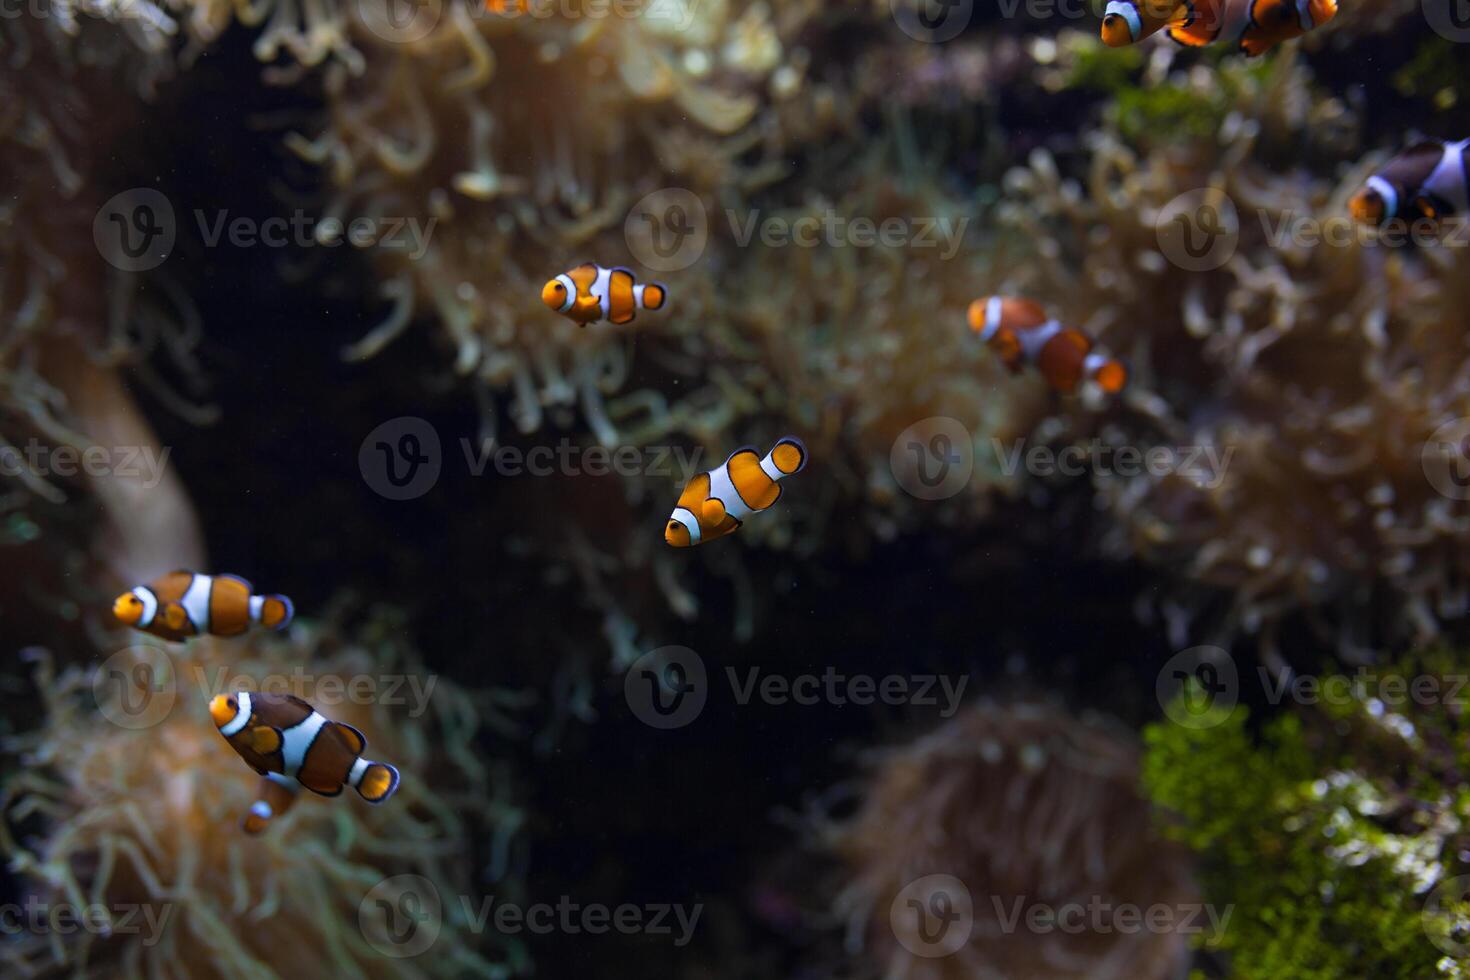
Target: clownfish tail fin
[[377, 781], [1110, 374], [273, 611], [651, 296], [788, 456]]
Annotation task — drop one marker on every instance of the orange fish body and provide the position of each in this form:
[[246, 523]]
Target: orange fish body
[[1254, 26], [1021, 333], [184, 604], [1430, 180], [590, 293], [508, 7], [290, 743], [716, 503]]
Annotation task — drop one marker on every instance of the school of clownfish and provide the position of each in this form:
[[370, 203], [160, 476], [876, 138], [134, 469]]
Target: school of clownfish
[[290, 744]]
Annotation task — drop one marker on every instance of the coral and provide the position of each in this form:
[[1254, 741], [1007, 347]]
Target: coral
[[1329, 829], [148, 816], [1028, 807], [1321, 365]]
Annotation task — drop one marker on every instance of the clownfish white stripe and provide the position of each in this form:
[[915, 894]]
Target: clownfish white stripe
[[1390, 196], [571, 291], [1304, 14], [281, 780], [721, 488], [196, 601], [1129, 13], [1093, 363], [599, 290], [298, 740], [150, 604], [257, 603], [262, 809], [686, 517], [769, 467], [1448, 179], [242, 716], [993, 313], [358, 769], [1032, 341]]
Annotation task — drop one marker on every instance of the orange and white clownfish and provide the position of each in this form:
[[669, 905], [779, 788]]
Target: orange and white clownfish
[[182, 604], [290, 743], [1430, 180], [504, 7], [1021, 333], [716, 503], [1254, 26], [589, 293]]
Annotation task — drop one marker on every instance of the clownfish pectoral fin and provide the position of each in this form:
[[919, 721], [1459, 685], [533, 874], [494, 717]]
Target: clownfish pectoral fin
[[714, 511], [174, 617], [379, 781], [355, 739], [266, 740], [1196, 31]]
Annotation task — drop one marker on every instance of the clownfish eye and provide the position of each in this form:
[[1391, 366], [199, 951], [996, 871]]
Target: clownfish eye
[[234, 705]]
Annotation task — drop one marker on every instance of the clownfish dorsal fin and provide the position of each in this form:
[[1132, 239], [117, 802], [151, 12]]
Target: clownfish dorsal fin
[[355, 739], [265, 740]]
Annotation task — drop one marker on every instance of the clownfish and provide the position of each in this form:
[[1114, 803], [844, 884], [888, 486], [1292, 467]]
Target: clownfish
[[183, 604], [1255, 26], [1020, 331], [289, 742], [1429, 180], [716, 503], [508, 7], [589, 293]]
